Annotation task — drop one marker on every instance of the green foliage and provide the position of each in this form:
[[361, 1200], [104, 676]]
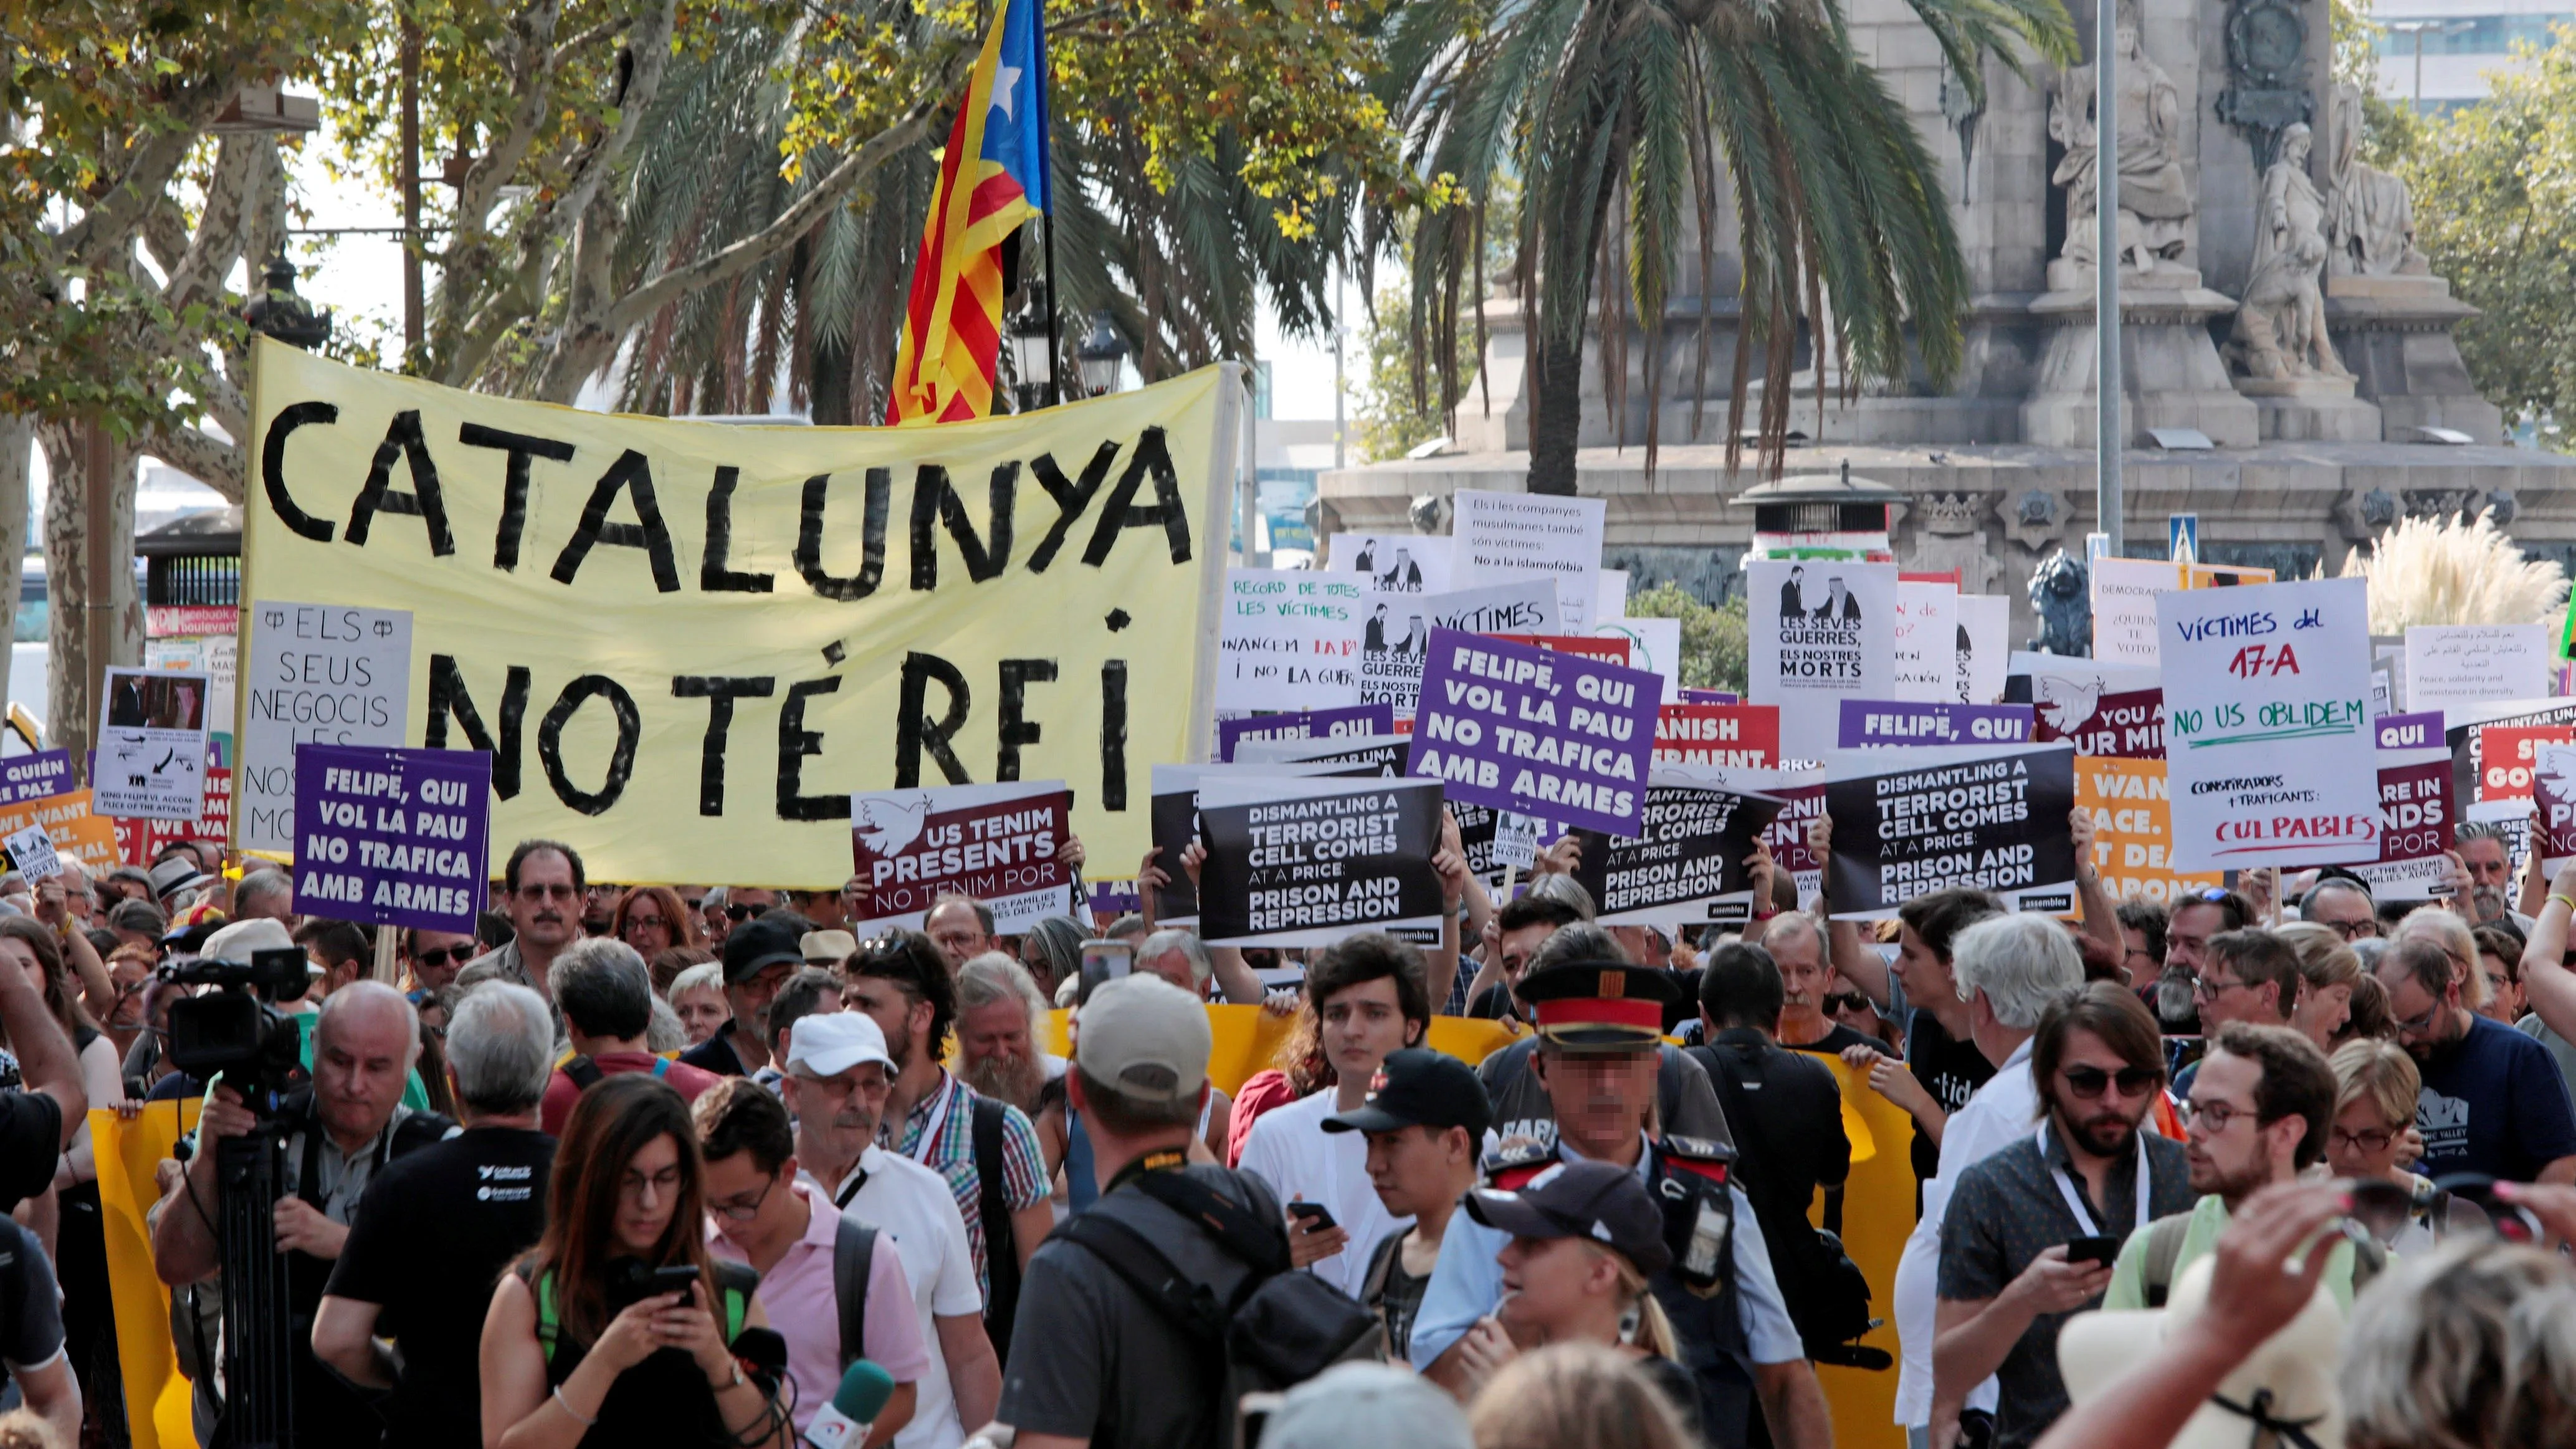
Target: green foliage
[[1713, 644], [2495, 210], [1625, 118], [1393, 417]]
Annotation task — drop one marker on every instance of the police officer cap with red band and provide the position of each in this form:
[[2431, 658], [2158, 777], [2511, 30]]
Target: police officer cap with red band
[[1599, 1005]]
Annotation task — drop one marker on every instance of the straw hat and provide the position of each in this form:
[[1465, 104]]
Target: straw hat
[[2288, 1380]]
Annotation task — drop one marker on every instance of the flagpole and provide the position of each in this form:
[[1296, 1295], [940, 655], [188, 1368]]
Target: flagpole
[[1046, 135]]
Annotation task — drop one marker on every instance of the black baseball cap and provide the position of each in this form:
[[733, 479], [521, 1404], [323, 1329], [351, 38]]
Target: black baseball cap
[[1420, 1088], [754, 946], [1595, 1200]]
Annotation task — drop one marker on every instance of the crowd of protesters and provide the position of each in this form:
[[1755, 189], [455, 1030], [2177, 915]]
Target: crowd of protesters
[[659, 1164]]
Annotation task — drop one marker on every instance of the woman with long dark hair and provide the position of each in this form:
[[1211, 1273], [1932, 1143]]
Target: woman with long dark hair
[[582, 1346]]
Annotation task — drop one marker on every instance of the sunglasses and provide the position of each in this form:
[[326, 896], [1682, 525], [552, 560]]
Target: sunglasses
[[2089, 1082], [440, 957], [740, 914], [1845, 1001]]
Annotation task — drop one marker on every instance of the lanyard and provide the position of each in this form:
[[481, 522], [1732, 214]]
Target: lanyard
[[2075, 1200], [922, 1145], [850, 1185]]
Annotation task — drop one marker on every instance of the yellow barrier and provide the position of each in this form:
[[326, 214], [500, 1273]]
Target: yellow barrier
[[1878, 1216], [1248, 1038], [156, 1394]]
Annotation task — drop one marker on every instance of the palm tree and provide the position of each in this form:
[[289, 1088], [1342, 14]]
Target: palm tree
[[1615, 115]]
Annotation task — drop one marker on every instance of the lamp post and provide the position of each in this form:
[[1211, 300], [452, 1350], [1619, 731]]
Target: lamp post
[[1101, 356], [280, 313], [1033, 359]]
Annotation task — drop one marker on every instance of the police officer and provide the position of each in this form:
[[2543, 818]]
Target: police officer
[[1599, 1023]]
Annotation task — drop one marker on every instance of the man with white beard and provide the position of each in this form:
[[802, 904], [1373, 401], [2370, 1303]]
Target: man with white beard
[[999, 1012]]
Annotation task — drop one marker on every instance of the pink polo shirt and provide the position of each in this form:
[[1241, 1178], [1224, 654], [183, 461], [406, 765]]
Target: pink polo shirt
[[797, 1293]]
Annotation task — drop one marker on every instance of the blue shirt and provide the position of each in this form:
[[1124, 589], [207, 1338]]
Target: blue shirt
[[2493, 1103], [1467, 1283]]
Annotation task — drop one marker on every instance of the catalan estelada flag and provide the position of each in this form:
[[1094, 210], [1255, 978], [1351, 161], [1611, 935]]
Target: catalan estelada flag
[[993, 177]]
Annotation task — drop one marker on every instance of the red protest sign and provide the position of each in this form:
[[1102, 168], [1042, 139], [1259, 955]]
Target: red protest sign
[[2505, 758], [1743, 735], [1613, 649]]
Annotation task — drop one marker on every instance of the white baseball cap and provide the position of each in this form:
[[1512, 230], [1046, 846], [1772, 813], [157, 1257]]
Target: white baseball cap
[[236, 942], [829, 1043], [1145, 1037]]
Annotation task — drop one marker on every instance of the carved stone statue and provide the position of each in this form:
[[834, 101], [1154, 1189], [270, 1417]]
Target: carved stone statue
[[2062, 603], [2370, 220], [2280, 330], [2155, 200]]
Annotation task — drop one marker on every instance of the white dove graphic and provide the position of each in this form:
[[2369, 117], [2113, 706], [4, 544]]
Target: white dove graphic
[[2066, 704], [888, 827]]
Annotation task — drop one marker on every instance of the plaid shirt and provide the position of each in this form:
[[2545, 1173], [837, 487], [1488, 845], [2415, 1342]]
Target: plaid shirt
[[951, 1154]]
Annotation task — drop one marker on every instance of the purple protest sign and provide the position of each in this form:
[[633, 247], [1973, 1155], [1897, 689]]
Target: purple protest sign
[[1709, 696], [393, 837], [1877, 724], [36, 776], [1536, 731], [1313, 724], [2410, 731]]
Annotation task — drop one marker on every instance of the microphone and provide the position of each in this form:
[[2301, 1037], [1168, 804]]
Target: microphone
[[843, 1423], [762, 1352]]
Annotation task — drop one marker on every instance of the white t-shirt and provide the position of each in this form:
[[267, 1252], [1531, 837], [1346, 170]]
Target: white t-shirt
[[2002, 1112], [1290, 1150], [912, 1205]]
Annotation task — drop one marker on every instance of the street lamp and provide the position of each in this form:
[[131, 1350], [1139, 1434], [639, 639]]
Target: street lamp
[[278, 312], [2416, 28], [1101, 355], [1032, 359]]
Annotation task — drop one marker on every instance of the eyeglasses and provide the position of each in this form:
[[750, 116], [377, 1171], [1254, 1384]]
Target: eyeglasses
[[2374, 1140], [2211, 1117], [2089, 1082], [534, 891], [2205, 989], [740, 1211], [664, 1182], [647, 923], [2420, 1021], [2352, 930], [740, 914], [444, 954]]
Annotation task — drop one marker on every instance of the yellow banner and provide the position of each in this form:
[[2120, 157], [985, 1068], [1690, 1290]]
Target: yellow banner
[[2132, 829], [687, 643], [156, 1396]]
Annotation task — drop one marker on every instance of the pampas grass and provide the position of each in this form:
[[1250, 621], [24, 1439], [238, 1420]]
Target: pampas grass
[[2449, 571]]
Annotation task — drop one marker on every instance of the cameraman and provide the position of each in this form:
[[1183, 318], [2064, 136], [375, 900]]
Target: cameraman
[[339, 1133]]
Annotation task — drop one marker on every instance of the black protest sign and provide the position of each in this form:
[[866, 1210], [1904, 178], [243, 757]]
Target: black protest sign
[[1994, 820], [1687, 865], [1305, 862]]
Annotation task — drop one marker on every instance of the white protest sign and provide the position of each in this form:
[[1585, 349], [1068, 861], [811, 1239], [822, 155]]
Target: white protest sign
[[32, 851], [1403, 563], [329, 675], [1653, 644], [1927, 641], [1289, 641], [2272, 759], [1395, 629], [2448, 665], [1610, 599], [1500, 536], [2124, 607], [1818, 633], [151, 762], [1985, 632]]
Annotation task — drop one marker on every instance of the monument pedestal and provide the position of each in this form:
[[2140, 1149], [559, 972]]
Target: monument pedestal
[[2395, 335], [2310, 410], [2169, 369]]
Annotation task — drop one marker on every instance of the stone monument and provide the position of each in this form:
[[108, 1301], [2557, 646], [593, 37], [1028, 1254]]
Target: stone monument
[[2243, 179]]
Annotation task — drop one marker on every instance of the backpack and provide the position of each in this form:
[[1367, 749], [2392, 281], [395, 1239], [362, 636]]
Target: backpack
[[854, 1248], [1827, 1294], [2163, 1254], [586, 1074], [1001, 1245], [1277, 1329]]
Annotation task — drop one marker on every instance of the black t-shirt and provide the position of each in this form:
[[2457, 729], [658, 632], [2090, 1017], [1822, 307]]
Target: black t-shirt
[[716, 1054], [1950, 1070], [1394, 1294], [31, 1142], [31, 1315], [1832, 1043], [434, 1232]]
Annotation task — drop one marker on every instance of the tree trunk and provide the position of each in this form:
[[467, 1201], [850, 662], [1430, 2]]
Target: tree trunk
[[17, 448], [70, 671], [1556, 411]]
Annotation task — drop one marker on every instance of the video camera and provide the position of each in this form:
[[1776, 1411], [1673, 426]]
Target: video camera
[[237, 1029]]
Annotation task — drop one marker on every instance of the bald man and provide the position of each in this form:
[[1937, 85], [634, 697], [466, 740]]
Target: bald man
[[341, 1133]]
